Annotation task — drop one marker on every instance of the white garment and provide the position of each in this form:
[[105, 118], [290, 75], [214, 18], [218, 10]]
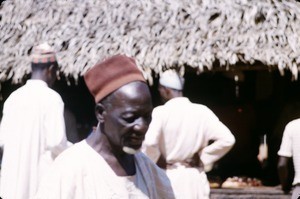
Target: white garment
[[32, 134], [81, 173], [290, 146], [178, 130]]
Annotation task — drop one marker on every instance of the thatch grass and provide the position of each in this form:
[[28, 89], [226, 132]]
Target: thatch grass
[[158, 33]]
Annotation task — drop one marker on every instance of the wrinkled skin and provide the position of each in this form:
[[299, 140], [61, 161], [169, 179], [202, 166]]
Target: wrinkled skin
[[124, 117], [127, 115]]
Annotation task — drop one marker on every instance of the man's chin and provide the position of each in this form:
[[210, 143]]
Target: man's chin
[[130, 150]]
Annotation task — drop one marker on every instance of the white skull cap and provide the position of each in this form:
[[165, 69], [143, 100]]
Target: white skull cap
[[171, 79]]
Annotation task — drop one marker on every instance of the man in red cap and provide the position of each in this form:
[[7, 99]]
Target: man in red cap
[[32, 130], [108, 163]]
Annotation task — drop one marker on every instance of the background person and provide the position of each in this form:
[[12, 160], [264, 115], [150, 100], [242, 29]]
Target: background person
[[290, 148], [108, 163], [179, 133], [32, 130]]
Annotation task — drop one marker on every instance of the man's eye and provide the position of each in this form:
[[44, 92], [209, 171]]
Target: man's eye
[[129, 119]]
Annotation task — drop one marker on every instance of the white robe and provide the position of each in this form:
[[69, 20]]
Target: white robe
[[178, 130], [290, 146], [32, 134], [81, 173]]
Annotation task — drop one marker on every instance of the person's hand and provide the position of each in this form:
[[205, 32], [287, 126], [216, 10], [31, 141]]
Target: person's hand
[[262, 153], [286, 190], [208, 167], [195, 161]]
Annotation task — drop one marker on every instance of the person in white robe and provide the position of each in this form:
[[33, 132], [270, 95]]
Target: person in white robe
[[32, 131], [108, 163], [288, 155], [180, 133]]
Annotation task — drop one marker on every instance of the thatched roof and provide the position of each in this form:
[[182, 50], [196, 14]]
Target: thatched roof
[[158, 33]]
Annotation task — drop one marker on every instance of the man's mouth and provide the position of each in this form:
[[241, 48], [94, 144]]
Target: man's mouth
[[134, 140]]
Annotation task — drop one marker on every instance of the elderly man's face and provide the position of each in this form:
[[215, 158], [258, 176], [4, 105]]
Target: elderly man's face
[[127, 115]]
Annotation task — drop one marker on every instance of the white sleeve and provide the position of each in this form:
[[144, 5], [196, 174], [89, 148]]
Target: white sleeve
[[59, 182], [5, 123], [151, 143], [222, 138], [286, 143], [56, 140]]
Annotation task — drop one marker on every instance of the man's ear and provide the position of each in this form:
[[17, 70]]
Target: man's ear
[[51, 68], [99, 111], [168, 90], [51, 71]]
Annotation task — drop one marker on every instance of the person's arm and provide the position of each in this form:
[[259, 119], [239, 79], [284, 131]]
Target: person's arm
[[285, 155], [223, 140], [283, 173], [60, 181], [55, 129], [4, 128], [5, 123], [151, 143]]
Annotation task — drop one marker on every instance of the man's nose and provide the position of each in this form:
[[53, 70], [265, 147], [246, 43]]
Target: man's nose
[[141, 125]]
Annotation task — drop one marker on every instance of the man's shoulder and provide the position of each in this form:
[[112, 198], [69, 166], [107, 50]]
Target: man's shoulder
[[16, 92], [159, 108], [15, 96], [292, 129], [53, 94], [184, 105], [200, 109], [184, 101], [294, 124], [74, 153], [41, 92]]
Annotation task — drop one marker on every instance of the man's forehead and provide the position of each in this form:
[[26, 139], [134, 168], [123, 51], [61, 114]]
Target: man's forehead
[[132, 94], [133, 88]]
